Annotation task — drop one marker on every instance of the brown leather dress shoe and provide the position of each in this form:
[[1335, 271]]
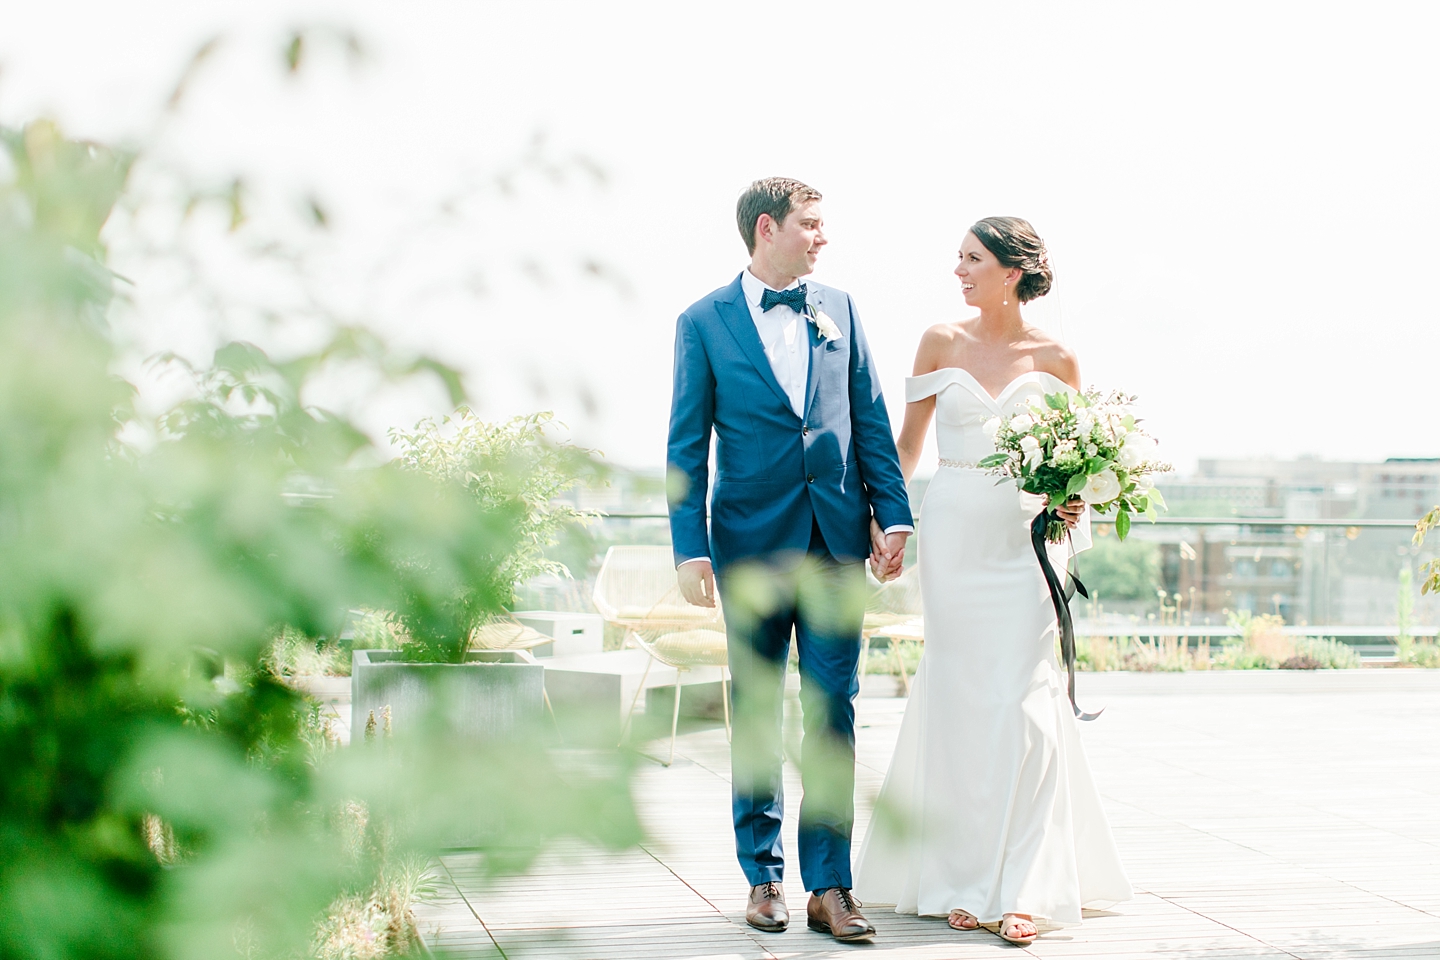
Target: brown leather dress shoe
[[837, 913], [766, 909]]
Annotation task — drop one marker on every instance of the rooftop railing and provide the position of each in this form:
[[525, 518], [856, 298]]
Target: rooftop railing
[[1184, 577]]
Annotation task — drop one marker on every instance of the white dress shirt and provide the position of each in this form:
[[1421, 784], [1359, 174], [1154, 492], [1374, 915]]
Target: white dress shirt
[[785, 337]]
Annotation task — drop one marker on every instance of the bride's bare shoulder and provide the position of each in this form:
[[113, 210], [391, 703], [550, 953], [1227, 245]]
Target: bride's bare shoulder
[[938, 347], [1055, 358]]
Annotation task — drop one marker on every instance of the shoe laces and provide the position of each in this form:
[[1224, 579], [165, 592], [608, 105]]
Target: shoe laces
[[770, 890], [847, 900]]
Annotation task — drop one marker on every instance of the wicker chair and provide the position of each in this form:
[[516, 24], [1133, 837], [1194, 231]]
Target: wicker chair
[[894, 611], [637, 590]]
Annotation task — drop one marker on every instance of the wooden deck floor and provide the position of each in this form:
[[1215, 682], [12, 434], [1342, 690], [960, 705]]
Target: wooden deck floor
[[1259, 814]]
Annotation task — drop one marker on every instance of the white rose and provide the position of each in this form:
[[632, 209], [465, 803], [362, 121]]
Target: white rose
[[1101, 488], [1144, 484], [829, 329], [1031, 448], [1021, 422], [1136, 450], [1091, 449]]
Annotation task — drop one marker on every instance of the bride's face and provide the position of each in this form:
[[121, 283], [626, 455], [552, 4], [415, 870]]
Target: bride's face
[[982, 277]]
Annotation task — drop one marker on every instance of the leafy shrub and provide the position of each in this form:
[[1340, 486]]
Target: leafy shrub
[[1261, 645], [292, 654], [1166, 655], [1425, 655], [1326, 653], [1236, 657], [510, 467]]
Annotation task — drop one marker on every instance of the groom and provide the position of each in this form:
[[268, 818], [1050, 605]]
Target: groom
[[807, 482]]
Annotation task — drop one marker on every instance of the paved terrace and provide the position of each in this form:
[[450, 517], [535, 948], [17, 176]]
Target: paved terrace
[[1287, 815]]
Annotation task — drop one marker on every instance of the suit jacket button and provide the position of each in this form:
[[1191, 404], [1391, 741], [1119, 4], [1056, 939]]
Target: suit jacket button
[[810, 478], [805, 431]]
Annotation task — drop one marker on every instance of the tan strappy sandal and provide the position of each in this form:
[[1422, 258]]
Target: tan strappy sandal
[[1007, 926], [958, 918]]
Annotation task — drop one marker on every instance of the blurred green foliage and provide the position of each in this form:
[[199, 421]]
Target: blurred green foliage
[[142, 583], [1116, 570]]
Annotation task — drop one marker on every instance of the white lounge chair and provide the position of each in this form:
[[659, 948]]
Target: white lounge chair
[[637, 589]]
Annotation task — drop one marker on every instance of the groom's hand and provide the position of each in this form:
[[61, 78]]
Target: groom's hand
[[895, 543], [697, 582], [887, 552], [879, 551]]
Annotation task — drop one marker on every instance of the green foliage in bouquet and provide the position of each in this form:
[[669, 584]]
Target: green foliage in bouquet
[[162, 794], [1081, 445]]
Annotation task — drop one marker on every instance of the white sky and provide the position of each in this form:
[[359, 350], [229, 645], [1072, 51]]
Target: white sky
[[1240, 199]]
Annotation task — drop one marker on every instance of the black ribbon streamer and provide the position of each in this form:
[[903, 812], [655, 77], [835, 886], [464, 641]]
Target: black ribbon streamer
[[1060, 596]]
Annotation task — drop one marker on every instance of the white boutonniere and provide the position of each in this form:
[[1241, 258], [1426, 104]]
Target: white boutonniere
[[827, 328]]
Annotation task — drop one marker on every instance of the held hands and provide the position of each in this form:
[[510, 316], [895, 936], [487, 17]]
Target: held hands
[[887, 552], [887, 559], [1070, 511], [697, 582]]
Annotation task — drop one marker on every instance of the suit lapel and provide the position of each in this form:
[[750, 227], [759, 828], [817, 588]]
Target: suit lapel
[[817, 350], [735, 313]]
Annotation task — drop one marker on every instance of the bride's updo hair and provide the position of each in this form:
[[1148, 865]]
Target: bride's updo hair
[[1016, 244]]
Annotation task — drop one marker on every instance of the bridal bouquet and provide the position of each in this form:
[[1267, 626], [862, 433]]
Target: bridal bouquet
[[1081, 445]]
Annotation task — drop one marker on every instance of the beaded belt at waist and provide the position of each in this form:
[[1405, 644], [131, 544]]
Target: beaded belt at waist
[[959, 464]]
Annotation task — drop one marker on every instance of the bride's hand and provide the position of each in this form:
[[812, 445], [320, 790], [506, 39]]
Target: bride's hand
[[1070, 511]]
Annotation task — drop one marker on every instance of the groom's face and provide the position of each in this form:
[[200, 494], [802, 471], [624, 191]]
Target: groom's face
[[798, 240]]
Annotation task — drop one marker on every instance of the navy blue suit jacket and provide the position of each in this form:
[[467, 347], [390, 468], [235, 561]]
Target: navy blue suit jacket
[[777, 474]]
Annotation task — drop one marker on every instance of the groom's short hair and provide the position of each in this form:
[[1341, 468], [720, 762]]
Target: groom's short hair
[[776, 196]]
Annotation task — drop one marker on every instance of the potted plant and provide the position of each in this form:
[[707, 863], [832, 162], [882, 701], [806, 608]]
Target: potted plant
[[465, 664]]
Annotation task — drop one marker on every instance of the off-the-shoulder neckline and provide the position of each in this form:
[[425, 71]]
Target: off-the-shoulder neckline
[[979, 389]]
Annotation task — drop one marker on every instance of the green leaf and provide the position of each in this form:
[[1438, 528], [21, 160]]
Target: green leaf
[[1094, 465], [1142, 505], [1151, 514], [994, 460], [1156, 499], [1122, 522], [1076, 484], [1057, 401]]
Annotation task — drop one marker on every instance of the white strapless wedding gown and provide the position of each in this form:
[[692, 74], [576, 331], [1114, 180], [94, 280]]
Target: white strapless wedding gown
[[988, 805]]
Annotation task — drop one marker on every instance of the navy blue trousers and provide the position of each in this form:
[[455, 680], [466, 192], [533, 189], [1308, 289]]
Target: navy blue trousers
[[822, 602]]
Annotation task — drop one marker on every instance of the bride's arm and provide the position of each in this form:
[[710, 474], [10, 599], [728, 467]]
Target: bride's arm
[[912, 434], [911, 441]]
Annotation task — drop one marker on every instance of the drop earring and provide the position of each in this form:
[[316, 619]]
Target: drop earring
[[1006, 301]]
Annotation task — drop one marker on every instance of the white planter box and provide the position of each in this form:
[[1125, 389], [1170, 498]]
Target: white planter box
[[575, 634]]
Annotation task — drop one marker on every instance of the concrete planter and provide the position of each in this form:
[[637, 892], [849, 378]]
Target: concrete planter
[[494, 693]]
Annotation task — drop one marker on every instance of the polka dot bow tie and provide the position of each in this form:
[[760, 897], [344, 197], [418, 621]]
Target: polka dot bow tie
[[794, 299]]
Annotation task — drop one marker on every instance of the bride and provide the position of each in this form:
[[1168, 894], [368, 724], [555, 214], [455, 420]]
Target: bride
[[988, 813]]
